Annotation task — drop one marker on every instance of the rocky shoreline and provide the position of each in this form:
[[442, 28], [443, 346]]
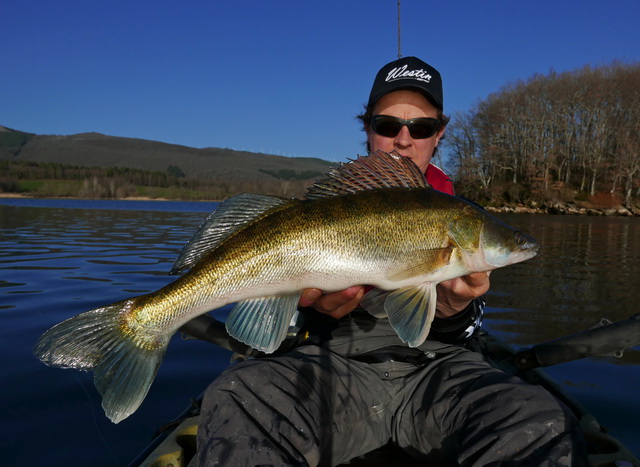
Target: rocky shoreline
[[569, 209]]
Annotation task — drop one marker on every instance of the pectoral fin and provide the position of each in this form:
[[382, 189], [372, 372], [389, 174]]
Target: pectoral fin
[[262, 323], [421, 263], [411, 311]]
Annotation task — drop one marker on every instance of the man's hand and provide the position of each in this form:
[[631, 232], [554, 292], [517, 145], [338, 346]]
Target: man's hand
[[455, 295], [336, 304]]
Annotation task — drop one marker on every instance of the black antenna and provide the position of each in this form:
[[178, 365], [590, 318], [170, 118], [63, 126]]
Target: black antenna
[[399, 49]]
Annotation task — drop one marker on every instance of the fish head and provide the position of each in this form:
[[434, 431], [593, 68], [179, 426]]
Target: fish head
[[486, 243], [503, 245]]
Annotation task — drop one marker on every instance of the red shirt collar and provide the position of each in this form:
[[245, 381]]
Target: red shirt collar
[[438, 179]]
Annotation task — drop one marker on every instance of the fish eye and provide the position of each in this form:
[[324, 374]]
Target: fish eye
[[519, 237]]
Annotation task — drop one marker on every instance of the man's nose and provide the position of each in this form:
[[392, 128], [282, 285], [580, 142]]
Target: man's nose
[[403, 138]]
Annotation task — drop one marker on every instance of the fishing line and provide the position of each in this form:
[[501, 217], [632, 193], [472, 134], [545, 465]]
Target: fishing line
[[399, 48], [95, 419]]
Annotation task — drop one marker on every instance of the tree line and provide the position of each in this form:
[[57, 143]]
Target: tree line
[[62, 180], [562, 136]]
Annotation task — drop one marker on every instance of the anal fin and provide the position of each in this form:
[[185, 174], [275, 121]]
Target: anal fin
[[262, 323], [373, 302]]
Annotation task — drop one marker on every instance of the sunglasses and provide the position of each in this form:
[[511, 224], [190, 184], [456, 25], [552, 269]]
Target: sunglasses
[[419, 128]]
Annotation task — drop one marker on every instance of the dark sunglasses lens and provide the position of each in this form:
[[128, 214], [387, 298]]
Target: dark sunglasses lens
[[422, 129], [385, 126], [389, 127]]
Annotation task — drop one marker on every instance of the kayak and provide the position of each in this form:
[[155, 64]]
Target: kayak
[[176, 444]]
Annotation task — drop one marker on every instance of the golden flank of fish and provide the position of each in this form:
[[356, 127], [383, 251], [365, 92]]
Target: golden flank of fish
[[372, 221]]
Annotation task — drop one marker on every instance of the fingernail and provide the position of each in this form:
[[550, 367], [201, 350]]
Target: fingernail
[[309, 297]]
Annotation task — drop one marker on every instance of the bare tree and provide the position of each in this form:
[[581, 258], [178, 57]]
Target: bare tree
[[579, 129]]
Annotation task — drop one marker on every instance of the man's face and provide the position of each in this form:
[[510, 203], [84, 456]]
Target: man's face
[[407, 105]]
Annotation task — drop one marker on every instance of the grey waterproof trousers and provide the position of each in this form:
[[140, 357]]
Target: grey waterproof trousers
[[316, 407]]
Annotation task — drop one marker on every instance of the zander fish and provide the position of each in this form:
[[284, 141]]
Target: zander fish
[[371, 221]]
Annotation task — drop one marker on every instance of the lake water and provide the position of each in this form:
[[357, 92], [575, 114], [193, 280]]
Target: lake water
[[62, 257]]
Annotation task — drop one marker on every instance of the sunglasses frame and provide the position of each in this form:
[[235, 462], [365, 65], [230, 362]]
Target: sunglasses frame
[[410, 124]]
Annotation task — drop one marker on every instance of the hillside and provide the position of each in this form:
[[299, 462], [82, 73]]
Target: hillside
[[98, 150]]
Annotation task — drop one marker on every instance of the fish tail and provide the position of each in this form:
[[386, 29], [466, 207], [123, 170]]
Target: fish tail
[[124, 364]]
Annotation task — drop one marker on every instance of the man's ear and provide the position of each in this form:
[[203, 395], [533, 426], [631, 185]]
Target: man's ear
[[440, 135]]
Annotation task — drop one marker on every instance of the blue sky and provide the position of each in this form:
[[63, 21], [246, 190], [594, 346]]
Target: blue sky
[[282, 77]]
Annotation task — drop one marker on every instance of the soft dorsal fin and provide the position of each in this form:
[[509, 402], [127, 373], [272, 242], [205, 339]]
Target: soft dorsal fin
[[230, 217], [377, 170]]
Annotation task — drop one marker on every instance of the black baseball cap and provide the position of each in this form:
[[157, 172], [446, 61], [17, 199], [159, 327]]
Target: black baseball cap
[[408, 73]]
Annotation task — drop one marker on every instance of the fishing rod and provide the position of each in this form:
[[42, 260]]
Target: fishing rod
[[206, 328], [399, 48], [605, 339]]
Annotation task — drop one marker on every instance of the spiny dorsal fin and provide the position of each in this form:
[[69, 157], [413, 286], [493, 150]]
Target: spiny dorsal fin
[[230, 217], [377, 170]]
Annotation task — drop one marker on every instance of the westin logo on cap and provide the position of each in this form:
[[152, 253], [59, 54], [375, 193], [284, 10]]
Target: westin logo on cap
[[403, 73]]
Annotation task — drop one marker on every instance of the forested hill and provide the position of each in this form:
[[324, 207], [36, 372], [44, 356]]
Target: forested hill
[[98, 150], [93, 165]]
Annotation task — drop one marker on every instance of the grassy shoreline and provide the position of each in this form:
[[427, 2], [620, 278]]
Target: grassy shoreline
[[126, 198]]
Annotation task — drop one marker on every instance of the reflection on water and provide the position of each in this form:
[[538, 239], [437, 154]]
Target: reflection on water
[[57, 262], [586, 270]]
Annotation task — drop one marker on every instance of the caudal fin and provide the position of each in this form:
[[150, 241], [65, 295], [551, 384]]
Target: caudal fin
[[124, 365]]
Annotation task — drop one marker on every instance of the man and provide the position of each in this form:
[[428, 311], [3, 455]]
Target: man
[[407, 89], [352, 386]]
